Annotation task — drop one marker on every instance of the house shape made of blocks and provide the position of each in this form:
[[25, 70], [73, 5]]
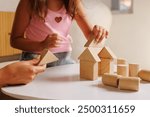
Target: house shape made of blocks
[[108, 59], [89, 64]]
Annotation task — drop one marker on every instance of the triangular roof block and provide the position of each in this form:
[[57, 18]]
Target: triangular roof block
[[92, 43], [89, 54], [47, 57], [107, 53]]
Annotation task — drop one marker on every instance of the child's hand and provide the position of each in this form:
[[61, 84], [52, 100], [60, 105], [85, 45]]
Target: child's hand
[[52, 41], [99, 33]]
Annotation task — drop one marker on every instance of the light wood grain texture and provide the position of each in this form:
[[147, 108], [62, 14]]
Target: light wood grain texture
[[133, 70], [89, 64], [121, 61], [129, 83], [107, 53], [6, 21], [89, 54], [144, 75], [110, 79], [88, 70], [47, 57], [105, 66], [122, 70]]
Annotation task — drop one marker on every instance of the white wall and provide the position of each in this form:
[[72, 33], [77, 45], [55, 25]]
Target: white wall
[[130, 34], [8, 5]]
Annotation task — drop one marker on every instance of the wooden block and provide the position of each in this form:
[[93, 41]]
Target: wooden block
[[105, 66], [133, 70], [110, 79], [47, 57], [89, 54], [92, 43], [129, 83], [121, 61], [107, 53], [144, 75], [122, 70], [88, 70]]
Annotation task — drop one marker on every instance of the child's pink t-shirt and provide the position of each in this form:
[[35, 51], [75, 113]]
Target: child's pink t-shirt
[[55, 22]]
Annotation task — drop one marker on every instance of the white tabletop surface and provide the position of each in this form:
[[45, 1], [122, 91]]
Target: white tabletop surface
[[63, 82]]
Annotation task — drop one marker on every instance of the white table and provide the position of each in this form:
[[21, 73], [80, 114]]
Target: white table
[[63, 82]]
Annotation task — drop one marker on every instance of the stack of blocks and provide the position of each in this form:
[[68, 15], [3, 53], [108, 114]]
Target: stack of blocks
[[93, 64], [126, 77], [89, 64]]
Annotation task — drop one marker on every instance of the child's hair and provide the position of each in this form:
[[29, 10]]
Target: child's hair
[[39, 7]]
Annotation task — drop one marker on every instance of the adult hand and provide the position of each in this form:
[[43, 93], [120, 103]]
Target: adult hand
[[99, 33], [52, 41], [21, 72]]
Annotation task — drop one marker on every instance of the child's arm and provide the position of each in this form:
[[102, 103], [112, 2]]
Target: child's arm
[[81, 19], [22, 20]]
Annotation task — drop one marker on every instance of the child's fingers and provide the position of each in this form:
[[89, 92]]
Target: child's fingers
[[102, 36]]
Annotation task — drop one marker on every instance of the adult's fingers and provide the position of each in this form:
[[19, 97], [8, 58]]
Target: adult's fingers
[[39, 69], [33, 61]]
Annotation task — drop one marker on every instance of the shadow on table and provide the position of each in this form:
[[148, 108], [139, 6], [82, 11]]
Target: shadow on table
[[112, 89], [65, 79]]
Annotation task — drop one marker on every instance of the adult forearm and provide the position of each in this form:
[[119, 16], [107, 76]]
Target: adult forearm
[[2, 78]]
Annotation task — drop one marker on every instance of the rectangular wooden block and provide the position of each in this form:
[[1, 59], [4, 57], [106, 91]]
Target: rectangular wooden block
[[110, 79], [133, 70], [105, 66], [129, 83], [88, 70], [122, 70]]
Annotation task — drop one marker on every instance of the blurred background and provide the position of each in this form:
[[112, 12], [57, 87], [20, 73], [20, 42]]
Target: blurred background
[[128, 22]]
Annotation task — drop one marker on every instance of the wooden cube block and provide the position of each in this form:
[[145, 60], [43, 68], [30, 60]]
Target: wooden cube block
[[122, 70], [88, 70], [144, 75], [110, 79], [129, 83], [133, 70], [105, 66]]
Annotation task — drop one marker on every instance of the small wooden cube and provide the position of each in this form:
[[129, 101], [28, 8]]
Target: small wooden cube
[[129, 83], [88, 70], [105, 66], [110, 79]]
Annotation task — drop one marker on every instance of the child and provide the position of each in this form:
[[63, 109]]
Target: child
[[41, 24]]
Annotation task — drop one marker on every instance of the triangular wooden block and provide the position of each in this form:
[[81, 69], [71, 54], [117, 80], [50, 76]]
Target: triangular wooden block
[[92, 43], [47, 57], [89, 54], [107, 53]]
